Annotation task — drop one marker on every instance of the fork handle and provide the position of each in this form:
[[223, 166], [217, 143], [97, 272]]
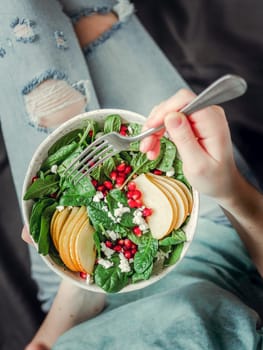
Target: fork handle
[[223, 89]]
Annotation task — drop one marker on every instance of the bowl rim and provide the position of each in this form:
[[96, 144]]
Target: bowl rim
[[42, 149]]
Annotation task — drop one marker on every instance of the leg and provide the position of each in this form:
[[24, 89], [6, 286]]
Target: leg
[[46, 81]]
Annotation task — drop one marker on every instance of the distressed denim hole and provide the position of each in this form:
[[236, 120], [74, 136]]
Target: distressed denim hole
[[23, 30], [60, 40], [53, 102]]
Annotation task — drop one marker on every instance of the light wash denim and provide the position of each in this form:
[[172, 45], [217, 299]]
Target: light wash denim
[[47, 78]]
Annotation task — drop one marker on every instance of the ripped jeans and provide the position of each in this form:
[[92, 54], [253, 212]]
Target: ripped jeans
[[47, 78]]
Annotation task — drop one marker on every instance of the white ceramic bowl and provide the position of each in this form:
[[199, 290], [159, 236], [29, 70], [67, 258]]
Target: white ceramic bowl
[[35, 164]]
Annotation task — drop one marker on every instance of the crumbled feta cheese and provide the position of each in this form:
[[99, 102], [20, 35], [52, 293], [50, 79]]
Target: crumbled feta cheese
[[107, 251], [60, 207], [105, 263], [98, 196], [112, 235], [124, 264], [89, 279], [170, 172], [54, 169], [118, 212], [144, 227], [99, 134]]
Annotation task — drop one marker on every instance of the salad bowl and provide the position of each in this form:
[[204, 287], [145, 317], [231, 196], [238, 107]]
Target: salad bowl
[[134, 219]]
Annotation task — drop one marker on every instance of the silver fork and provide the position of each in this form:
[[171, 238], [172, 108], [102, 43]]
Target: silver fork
[[223, 89]]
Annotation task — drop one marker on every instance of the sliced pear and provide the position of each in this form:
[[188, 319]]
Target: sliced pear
[[162, 219], [177, 196], [64, 238], [187, 192], [57, 222], [85, 252]]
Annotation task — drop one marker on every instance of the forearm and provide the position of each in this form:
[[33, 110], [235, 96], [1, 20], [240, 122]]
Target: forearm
[[244, 208]]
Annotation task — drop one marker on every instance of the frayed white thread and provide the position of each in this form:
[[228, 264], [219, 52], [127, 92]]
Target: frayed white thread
[[123, 9]]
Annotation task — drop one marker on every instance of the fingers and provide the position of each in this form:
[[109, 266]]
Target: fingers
[[182, 135], [26, 236]]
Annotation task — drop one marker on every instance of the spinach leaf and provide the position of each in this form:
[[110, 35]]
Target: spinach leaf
[[168, 155], [65, 140], [35, 217], [97, 241], [176, 237], [59, 156], [142, 276], [108, 166], [79, 194], [112, 279], [175, 255], [44, 237], [42, 187], [99, 216], [147, 250], [112, 123]]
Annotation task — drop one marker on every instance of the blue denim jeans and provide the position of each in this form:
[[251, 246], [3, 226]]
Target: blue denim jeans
[[47, 78]]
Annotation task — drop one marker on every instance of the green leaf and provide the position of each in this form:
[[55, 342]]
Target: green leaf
[[44, 237], [99, 216], [35, 217], [175, 255], [168, 155], [79, 194], [59, 156], [176, 237], [67, 139], [142, 276], [112, 123], [112, 280], [42, 187], [147, 250]]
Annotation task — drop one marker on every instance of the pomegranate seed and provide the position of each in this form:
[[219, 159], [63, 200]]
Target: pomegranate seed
[[123, 132], [101, 188], [127, 243], [117, 248], [132, 203], [128, 169], [147, 212], [121, 167], [34, 178], [136, 194], [94, 182], [124, 127], [157, 172], [121, 242], [113, 175], [138, 203], [129, 194], [131, 186], [83, 275], [133, 251], [108, 185], [137, 231], [53, 195], [90, 133], [133, 246], [120, 180], [128, 254], [108, 244]]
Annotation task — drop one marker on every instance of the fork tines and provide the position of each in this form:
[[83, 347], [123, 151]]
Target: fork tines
[[95, 154]]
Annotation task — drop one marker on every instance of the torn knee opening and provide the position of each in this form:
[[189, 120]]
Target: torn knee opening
[[98, 23], [51, 100]]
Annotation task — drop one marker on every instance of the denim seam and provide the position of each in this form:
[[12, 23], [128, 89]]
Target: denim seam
[[48, 74], [105, 36]]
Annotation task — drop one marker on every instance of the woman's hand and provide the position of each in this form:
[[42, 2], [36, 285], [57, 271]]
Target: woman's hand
[[203, 141]]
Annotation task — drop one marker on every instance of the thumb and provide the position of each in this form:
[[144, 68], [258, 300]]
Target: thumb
[[182, 135]]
